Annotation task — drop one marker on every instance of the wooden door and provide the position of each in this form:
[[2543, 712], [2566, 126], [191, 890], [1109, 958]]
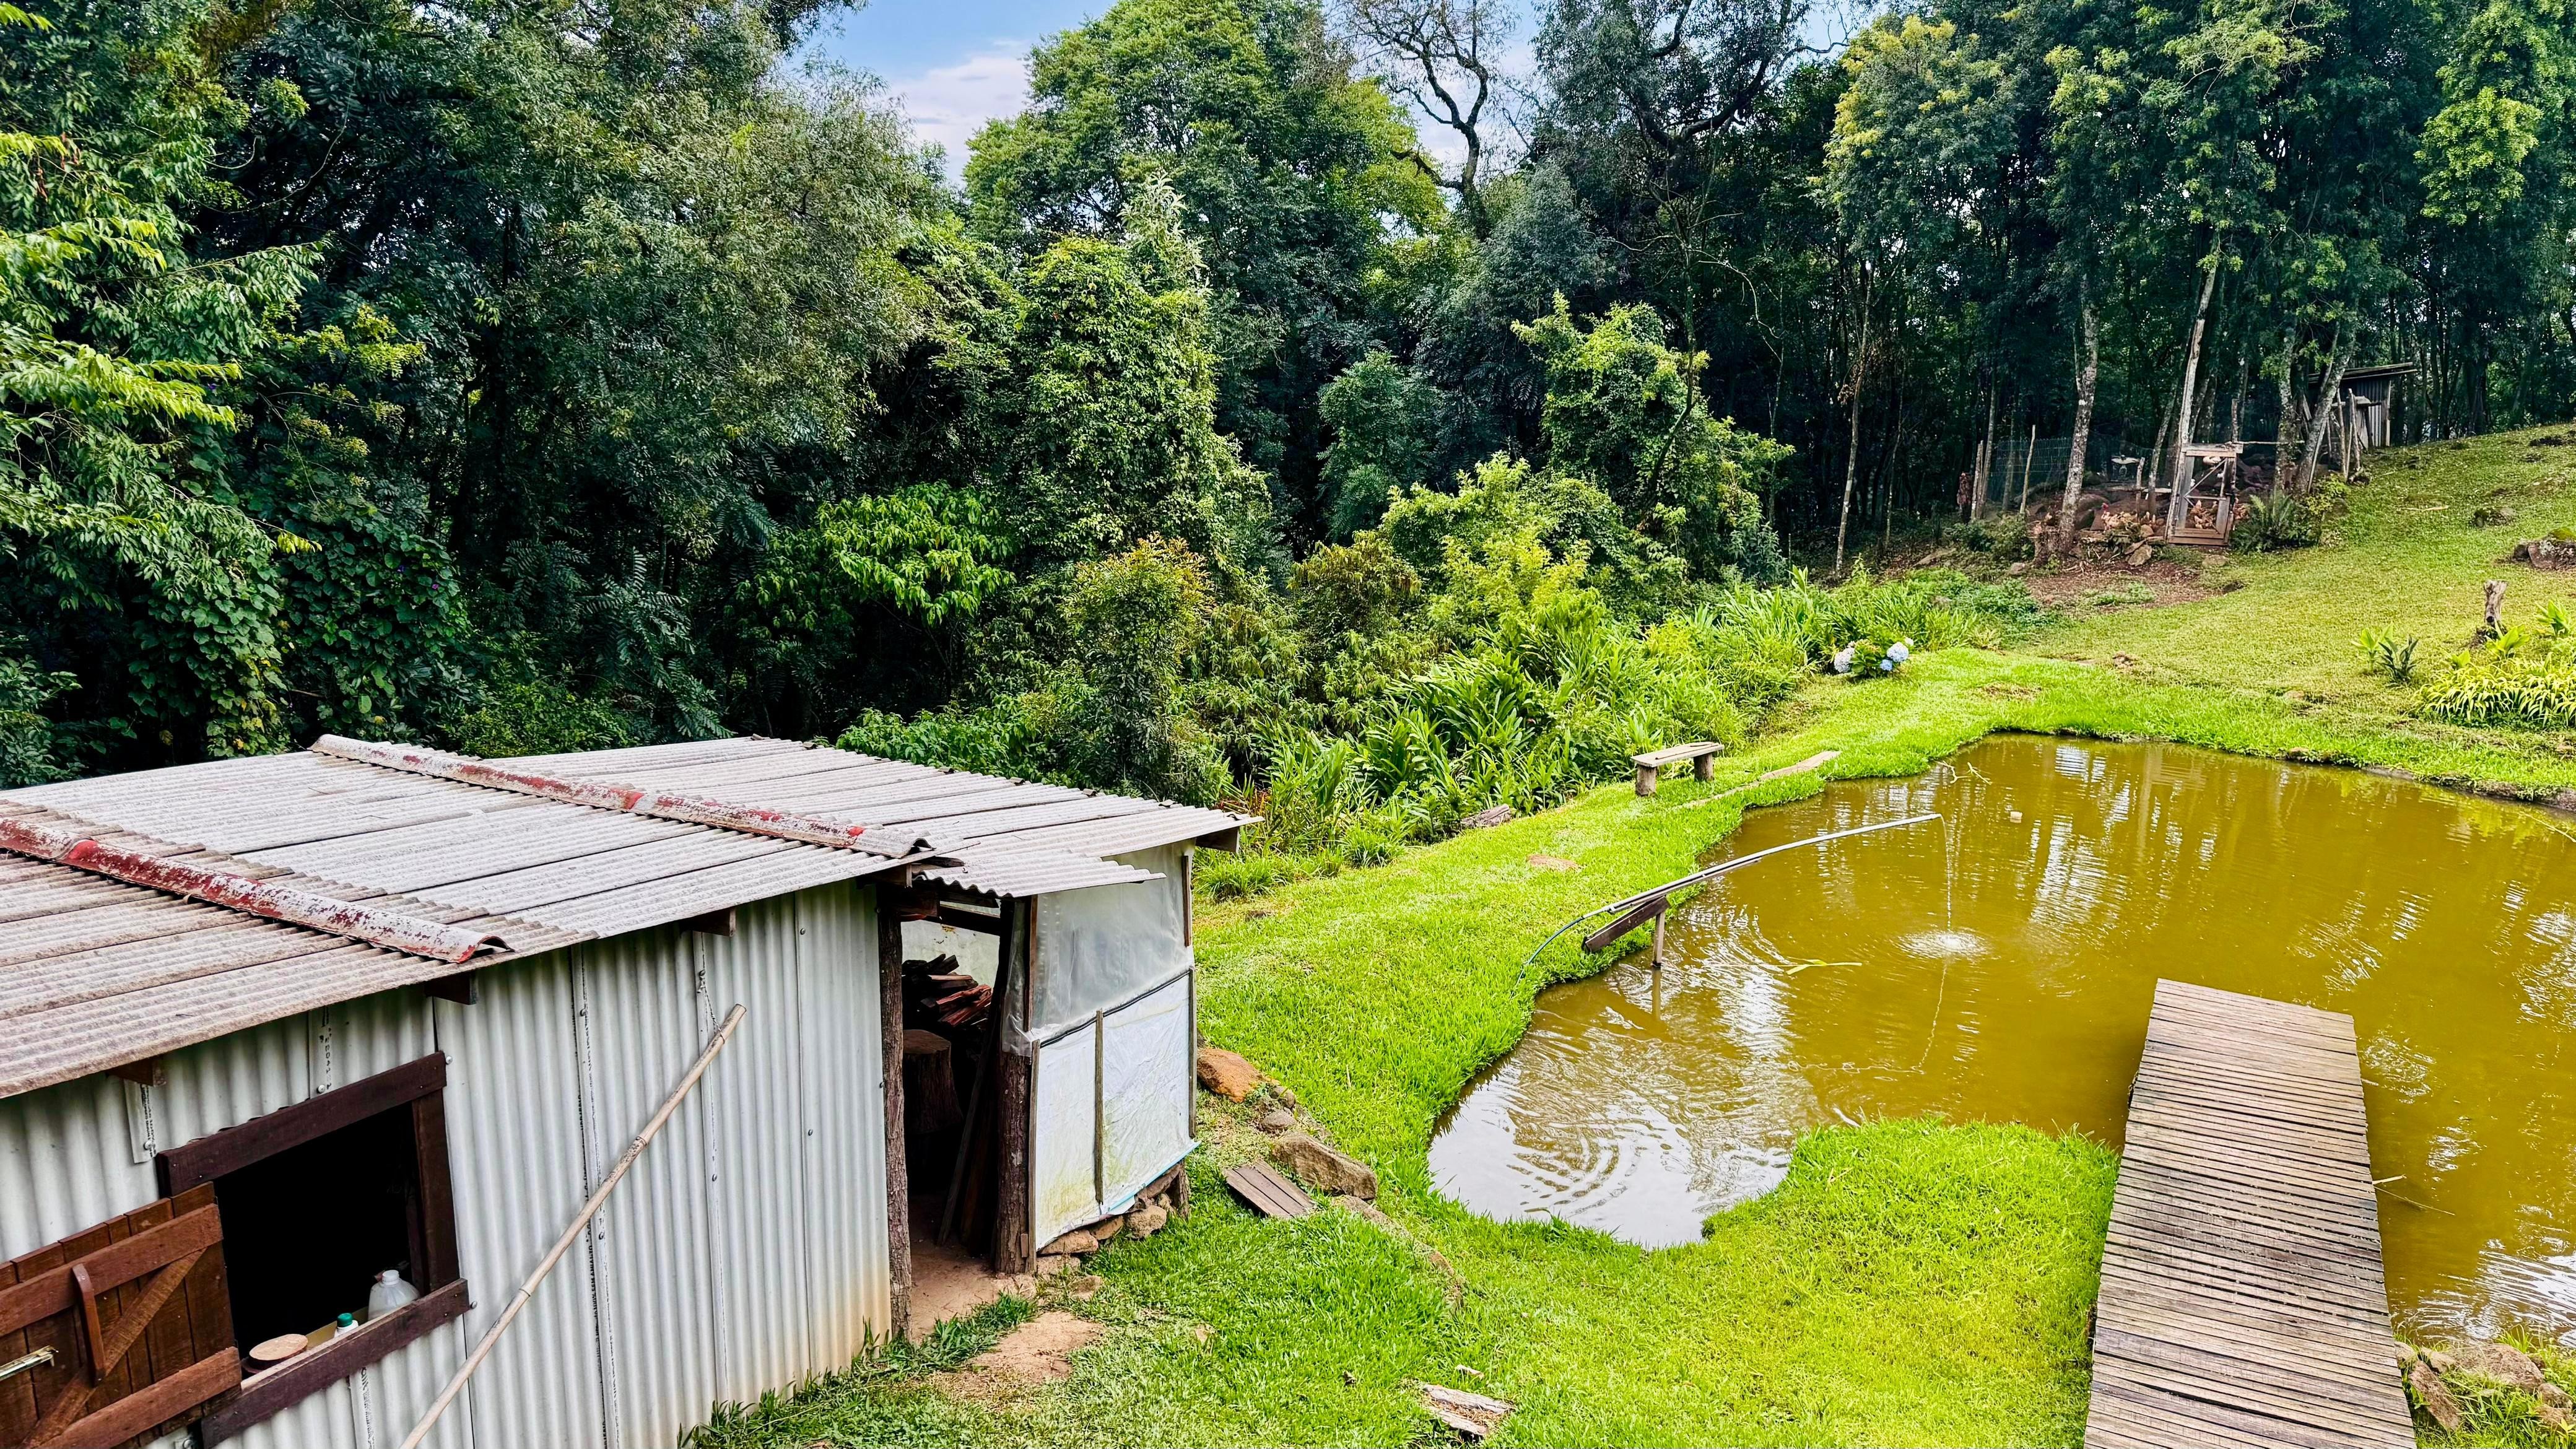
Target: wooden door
[[128, 1325]]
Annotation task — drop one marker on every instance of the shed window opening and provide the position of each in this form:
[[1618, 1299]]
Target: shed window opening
[[339, 1235], [311, 1230]]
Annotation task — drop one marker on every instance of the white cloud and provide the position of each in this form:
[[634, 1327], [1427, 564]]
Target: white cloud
[[950, 103]]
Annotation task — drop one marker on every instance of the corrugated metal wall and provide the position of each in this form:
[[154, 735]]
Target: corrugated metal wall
[[745, 1250]]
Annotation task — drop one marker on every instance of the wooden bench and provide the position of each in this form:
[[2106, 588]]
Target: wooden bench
[[1701, 753]]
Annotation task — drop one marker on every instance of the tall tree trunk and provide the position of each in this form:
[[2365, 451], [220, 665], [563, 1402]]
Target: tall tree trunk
[[2088, 361], [2180, 504], [2335, 363], [2286, 433], [1985, 457], [1851, 464]]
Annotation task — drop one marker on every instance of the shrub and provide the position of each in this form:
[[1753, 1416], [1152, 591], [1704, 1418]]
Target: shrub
[[1248, 873], [2269, 521], [2525, 678], [2386, 654]]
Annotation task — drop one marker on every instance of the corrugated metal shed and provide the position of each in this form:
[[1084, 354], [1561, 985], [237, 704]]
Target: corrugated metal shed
[[108, 973]]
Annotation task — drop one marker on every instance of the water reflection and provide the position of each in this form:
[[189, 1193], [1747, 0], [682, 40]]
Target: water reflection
[[1998, 964]]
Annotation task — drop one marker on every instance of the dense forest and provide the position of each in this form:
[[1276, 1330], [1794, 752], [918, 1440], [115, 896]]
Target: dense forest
[[1289, 395]]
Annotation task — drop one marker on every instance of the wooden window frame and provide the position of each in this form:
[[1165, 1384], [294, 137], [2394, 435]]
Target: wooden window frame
[[419, 1086]]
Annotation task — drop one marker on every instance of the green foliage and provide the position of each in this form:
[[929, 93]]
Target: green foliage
[[1283, 163], [2523, 679], [1384, 426], [1104, 424], [2267, 522], [522, 712], [1116, 719], [2388, 655], [26, 737], [132, 565], [1626, 412]]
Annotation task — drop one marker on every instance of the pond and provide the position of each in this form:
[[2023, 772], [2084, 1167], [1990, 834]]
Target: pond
[[1998, 964]]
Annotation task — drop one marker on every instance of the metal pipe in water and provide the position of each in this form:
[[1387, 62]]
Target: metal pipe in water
[[1711, 873]]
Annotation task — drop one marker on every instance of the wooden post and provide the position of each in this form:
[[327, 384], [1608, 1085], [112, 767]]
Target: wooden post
[[1657, 961], [1013, 1253], [2495, 608], [1646, 780], [898, 1171], [1704, 767]]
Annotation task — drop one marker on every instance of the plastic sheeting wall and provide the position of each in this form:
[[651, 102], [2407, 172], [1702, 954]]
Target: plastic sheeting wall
[[745, 1250], [1100, 946], [1110, 1103]]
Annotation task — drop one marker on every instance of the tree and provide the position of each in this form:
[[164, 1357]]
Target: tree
[[1440, 55], [1627, 412], [1286, 167], [134, 570], [1384, 422], [1102, 425]]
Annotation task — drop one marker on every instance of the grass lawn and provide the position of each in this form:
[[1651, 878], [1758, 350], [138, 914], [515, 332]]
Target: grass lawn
[[1910, 1282]]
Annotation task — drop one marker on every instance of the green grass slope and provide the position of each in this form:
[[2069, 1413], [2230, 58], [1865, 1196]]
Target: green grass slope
[[1910, 1283]]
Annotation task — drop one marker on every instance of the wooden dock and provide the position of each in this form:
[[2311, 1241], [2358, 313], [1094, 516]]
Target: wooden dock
[[2242, 1296]]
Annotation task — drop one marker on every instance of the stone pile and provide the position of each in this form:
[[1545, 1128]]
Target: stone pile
[[2444, 1383]]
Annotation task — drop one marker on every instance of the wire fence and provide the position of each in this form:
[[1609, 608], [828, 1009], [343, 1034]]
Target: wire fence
[[2027, 470]]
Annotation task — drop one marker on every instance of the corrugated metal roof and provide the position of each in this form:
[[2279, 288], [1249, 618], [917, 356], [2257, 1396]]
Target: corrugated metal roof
[[100, 972]]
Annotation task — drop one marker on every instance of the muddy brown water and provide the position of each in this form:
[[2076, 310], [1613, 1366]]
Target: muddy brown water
[[1998, 965]]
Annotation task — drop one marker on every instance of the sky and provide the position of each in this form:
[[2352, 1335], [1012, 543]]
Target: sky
[[955, 64]]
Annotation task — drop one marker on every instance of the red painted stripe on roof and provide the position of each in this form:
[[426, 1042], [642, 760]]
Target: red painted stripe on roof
[[634, 800], [407, 934]]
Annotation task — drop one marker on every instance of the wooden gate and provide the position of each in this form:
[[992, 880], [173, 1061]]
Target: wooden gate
[[120, 1333]]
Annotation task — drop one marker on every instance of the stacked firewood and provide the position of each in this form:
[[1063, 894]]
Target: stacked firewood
[[937, 994]]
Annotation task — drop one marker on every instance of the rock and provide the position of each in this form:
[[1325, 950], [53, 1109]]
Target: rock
[[1226, 1074], [2139, 555], [1286, 1098], [2503, 1363], [1362, 1207], [2555, 1397], [1473, 1415], [1056, 1265], [2018, 569], [2435, 1397], [1553, 862], [1145, 1221], [2442, 1362], [1088, 1286], [2556, 1418], [1276, 1121], [1106, 1229], [2406, 1357], [1074, 1244], [1488, 817], [1323, 1169]]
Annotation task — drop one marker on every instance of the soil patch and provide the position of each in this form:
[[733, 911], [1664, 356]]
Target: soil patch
[[2153, 584], [1031, 1356]]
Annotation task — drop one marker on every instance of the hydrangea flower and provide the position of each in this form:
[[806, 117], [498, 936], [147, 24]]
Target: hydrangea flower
[[1843, 659]]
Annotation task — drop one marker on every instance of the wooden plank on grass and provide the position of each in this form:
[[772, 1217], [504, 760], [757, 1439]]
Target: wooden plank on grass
[[1267, 1191]]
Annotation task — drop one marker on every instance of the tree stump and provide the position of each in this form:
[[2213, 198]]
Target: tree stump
[[929, 1084], [2495, 608]]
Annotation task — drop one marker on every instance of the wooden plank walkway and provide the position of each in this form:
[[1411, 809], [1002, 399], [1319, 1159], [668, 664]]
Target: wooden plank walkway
[[2242, 1297]]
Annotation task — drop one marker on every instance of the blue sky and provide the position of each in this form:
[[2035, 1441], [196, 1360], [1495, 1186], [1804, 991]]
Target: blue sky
[[954, 63]]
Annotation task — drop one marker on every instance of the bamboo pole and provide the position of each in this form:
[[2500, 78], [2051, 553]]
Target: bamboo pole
[[617, 1174]]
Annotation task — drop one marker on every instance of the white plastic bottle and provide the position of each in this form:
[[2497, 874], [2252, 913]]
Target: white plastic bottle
[[389, 1293]]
